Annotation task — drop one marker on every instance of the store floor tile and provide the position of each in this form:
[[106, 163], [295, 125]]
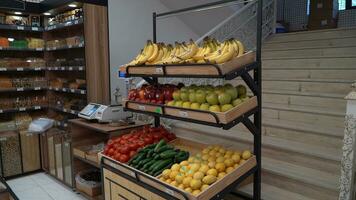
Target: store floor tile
[[41, 186]]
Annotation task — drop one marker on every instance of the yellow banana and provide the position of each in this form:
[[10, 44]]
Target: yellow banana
[[241, 48], [236, 47], [224, 57], [193, 49], [159, 56], [154, 53]]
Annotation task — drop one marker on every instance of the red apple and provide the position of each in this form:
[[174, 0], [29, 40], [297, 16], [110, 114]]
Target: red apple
[[159, 95], [141, 94], [133, 94]]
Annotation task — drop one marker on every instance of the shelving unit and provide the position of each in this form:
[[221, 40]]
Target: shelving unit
[[239, 67]]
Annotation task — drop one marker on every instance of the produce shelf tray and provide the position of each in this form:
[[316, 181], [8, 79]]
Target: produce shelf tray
[[228, 70], [218, 119], [167, 191]]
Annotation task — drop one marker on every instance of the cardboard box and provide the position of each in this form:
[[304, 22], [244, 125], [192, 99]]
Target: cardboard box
[[323, 14]]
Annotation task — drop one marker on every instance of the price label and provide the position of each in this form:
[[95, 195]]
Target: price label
[[39, 49], [37, 68], [22, 109], [54, 48], [3, 69], [133, 174], [3, 139], [76, 22], [37, 107], [56, 68], [80, 68], [64, 90], [63, 68], [158, 110], [140, 107], [72, 90], [183, 114], [65, 110], [65, 125], [82, 92], [37, 88], [70, 46], [20, 69], [56, 89], [70, 68], [1, 48], [20, 89], [68, 24], [159, 70], [35, 28], [1, 111], [169, 191], [20, 28], [72, 111]]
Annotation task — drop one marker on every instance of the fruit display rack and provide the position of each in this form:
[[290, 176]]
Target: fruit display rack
[[239, 67]]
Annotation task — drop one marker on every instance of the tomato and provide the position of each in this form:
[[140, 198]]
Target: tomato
[[133, 146], [148, 140], [141, 143], [111, 151], [124, 150], [117, 156], [124, 158], [123, 141], [127, 136], [132, 153]]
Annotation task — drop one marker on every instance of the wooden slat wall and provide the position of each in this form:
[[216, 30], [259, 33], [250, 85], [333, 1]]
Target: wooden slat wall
[[97, 53]]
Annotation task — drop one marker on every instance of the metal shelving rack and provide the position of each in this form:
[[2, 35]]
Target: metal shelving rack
[[253, 82]]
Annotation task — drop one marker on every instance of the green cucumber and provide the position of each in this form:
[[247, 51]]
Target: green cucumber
[[155, 164], [161, 170], [162, 164], [164, 148], [168, 154], [160, 144], [156, 157], [145, 166], [144, 161], [138, 158]]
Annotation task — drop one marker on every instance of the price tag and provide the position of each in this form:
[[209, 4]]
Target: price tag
[[22, 109], [54, 48], [56, 89], [65, 125], [3, 139], [72, 111], [72, 90], [39, 49], [158, 110], [20, 69], [70, 68], [37, 68], [37, 88], [63, 68], [70, 46], [3, 69], [1, 111], [20, 89], [35, 28], [37, 107], [80, 68], [20, 28], [65, 110], [159, 70], [169, 191], [82, 92], [56, 68], [64, 90], [1, 48], [183, 114], [68, 24], [140, 107], [76, 22], [133, 174]]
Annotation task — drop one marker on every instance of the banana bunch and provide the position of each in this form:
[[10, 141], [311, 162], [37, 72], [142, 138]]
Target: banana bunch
[[211, 51]]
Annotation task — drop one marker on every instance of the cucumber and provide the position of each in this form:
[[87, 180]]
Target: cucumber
[[161, 170], [150, 153], [155, 164], [138, 158], [182, 157], [162, 165], [168, 154], [156, 157], [181, 153], [145, 166], [160, 144], [164, 148], [144, 161]]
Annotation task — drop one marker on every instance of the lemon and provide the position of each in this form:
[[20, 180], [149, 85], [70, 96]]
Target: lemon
[[205, 157], [174, 183], [198, 155], [212, 153], [229, 169], [175, 167], [236, 165], [205, 151], [198, 175], [246, 155], [162, 179], [220, 159], [210, 147], [212, 172], [205, 162], [212, 164], [194, 167], [229, 162], [189, 173], [184, 163], [196, 192], [227, 156], [217, 147], [221, 175], [183, 169], [220, 167], [204, 168], [181, 186], [173, 175], [209, 179], [211, 158], [188, 189], [195, 184], [219, 155], [191, 159], [222, 151], [238, 153], [228, 152], [166, 173], [242, 162], [203, 187], [168, 181], [236, 158], [179, 178], [186, 181]]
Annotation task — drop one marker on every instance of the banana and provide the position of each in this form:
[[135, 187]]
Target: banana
[[145, 54], [241, 48], [154, 53], [236, 47], [192, 50], [159, 56], [224, 57]]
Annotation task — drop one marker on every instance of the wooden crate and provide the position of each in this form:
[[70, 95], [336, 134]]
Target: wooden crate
[[163, 187], [31, 159], [206, 116], [206, 70]]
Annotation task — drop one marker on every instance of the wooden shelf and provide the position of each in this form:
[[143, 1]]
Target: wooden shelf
[[65, 48], [22, 89], [20, 28], [20, 49], [65, 24], [21, 69], [66, 68], [22, 109], [68, 90], [65, 110], [87, 161]]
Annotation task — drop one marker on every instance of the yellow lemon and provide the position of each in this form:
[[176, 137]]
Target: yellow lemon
[[196, 192], [191, 159], [162, 179], [179, 178], [246, 155], [238, 153], [221, 175], [173, 175], [211, 158], [212, 164], [188, 190], [217, 147], [205, 151], [181, 186], [198, 155], [168, 181], [204, 168], [222, 151], [195, 184], [229, 162], [166, 173], [174, 183], [220, 159], [209, 179], [189, 173], [198, 175], [219, 155], [205, 157], [220, 167], [212, 172], [203, 187], [227, 156], [229, 169], [195, 167], [236, 158], [212, 153], [236, 165], [184, 163], [186, 181], [183, 169], [242, 162], [228, 152], [210, 147], [175, 167]]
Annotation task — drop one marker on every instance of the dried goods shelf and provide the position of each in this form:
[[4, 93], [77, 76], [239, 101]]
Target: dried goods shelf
[[22, 89], [64, 48], [96, 165], [66, 68], [67, 90], [22, 109], [20, 49], [21, 69], [65, 110], [64, 25], [20, 28]]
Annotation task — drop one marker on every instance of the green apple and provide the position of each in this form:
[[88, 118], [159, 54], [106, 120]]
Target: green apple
[[212, 98], [195, 106], [186, 104], [237, 102], [245, 99], [176, 95], [191, 90], [171, 103], [184, 89], [184, 96], [224, 98], [214, 108], [192, 97], [178, 103], [232, 92], [204, 106], [200, 90], [228, 85], [226, 107], [241, 89], [200, 97]]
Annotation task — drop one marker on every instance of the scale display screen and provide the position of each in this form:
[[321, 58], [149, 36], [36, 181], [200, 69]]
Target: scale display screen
[[90, 109]]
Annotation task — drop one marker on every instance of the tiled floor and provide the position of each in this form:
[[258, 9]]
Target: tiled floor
[[42, 187]]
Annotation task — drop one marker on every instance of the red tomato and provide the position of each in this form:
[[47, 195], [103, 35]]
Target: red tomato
[[133, 146], [148, 140], [123, 141], [127, 136], [111, 151], [141, 143], [124, 158], [117, 156], [132, 153], [124, 150]]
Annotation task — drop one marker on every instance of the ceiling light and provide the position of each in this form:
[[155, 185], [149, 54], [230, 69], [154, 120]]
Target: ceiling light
[[18, 13], [72, 5], [47, 13]]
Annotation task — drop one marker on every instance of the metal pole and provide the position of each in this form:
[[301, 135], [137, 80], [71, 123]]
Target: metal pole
[[257, 118], [155, 80]]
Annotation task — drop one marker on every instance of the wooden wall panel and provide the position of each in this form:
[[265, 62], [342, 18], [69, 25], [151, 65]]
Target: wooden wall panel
[[97, 53]]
